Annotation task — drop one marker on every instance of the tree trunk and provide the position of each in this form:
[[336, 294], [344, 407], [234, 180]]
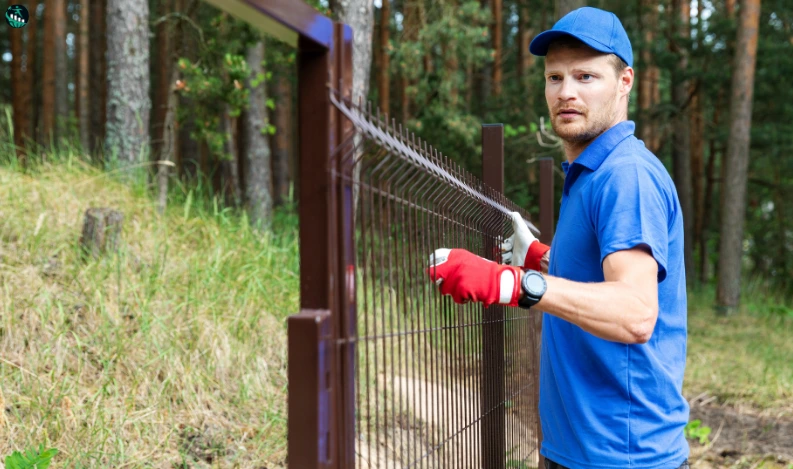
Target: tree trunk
[[485, 78], [18, 93], [53, 109], [737, 160], [704, 265], [451, 62], [648, 74], [697, 126], [283, 125], [230, 164], [82, 96], [383, 73], [496, 33], [257, 149], [162, 94], [409, 34], [681, 144], [730, 7], [61, 70], [31, 76], [128, 104], [564, 7], [359, 14], [525, 58], [98, 65]]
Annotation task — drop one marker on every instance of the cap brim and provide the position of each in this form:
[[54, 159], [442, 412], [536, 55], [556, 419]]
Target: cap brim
[[539, 46]]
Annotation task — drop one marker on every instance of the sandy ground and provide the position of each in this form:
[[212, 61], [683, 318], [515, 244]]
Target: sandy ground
[[425, 437]]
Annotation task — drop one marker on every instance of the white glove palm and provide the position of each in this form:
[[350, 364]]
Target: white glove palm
[[514, 248]]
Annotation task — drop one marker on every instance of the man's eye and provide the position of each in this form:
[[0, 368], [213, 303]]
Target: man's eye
[[586, 77], [554, 78]]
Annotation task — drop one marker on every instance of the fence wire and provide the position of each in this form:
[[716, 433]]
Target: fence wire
[[436, 384]]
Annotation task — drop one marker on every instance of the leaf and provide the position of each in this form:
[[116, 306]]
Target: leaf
[[31, 459], [270, 103]]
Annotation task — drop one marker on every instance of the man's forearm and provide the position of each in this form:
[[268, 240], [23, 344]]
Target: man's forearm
[[609, 310]]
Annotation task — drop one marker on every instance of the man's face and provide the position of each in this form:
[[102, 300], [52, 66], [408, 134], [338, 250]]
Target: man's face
[[583, 93]]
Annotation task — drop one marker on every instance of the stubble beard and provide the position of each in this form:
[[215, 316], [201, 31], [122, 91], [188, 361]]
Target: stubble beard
[[574, 133]]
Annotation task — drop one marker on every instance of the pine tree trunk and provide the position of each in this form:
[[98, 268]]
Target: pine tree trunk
[[383, 83], [710, 180], [697, 125], [525, 58], [359, 14], [283, 125], [648, 73], [230, 164], [737, 161], [61, 70], [98, 66], [410, 23], [82, 95], [31, 77], [54, 54], [162, 94], [128, 104], [451, 62], [17, 92], [257, 148], [681, 144], [496, 32]]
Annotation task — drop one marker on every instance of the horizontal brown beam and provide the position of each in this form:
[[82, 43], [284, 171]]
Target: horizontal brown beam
[[286, 20]]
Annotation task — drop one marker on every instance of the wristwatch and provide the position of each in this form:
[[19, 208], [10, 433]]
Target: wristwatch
[[533, 286]]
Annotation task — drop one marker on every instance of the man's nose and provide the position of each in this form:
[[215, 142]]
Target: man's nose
[[567, 91]]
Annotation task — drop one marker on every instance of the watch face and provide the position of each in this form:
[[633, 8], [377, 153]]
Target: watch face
[[535, 284]]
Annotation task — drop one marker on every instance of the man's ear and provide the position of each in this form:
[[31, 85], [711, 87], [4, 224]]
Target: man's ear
[[626, 80]]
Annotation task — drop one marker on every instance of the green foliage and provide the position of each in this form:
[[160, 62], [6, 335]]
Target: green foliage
[[32, 458], [694, 430]]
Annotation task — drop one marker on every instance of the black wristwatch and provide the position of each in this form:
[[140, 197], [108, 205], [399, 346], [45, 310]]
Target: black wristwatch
[[533, 286]]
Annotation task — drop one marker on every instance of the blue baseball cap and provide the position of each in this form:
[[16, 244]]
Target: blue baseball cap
[[599, 29]]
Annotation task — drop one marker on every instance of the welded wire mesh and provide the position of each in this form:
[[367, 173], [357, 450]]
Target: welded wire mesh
[[436, 384]]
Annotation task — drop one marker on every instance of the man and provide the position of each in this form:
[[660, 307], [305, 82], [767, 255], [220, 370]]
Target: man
[[614, 299]]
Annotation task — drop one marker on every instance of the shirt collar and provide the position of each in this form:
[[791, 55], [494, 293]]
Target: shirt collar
[[597, 151]]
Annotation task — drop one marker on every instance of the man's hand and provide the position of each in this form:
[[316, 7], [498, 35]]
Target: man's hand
[[468, 277], [522, 249]]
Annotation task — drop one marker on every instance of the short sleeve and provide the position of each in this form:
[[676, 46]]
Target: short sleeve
[[631, 210]]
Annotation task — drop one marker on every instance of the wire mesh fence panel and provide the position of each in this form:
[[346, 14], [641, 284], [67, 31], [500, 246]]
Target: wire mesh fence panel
[[435, 384]]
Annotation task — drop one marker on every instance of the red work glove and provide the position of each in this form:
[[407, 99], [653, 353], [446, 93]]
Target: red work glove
[[468, 277]]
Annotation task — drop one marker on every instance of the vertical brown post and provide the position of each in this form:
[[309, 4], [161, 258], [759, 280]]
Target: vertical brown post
[[317, 121], [310, 350], [546, 200], [344, 315], [493, 427]]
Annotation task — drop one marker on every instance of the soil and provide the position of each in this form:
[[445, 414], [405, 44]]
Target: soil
[[742, 437]]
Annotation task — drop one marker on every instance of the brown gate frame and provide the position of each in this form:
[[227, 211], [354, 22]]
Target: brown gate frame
[[321, 386]]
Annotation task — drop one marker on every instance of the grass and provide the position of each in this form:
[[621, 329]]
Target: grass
[[745, 359], [169, 354]]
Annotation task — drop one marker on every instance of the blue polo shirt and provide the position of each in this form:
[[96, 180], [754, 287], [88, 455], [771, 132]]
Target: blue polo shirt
[[605, 404]]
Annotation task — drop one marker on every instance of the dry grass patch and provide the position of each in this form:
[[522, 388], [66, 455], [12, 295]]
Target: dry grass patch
[[169, 354]]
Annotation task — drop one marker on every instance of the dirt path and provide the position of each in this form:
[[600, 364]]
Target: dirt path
[[742, 438]]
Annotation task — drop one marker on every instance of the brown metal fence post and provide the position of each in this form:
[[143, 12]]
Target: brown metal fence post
[[318, 119], [308, 373], [493, 427], [344, 315]]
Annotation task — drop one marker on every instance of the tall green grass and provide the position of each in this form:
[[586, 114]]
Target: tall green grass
[[169, 353]]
